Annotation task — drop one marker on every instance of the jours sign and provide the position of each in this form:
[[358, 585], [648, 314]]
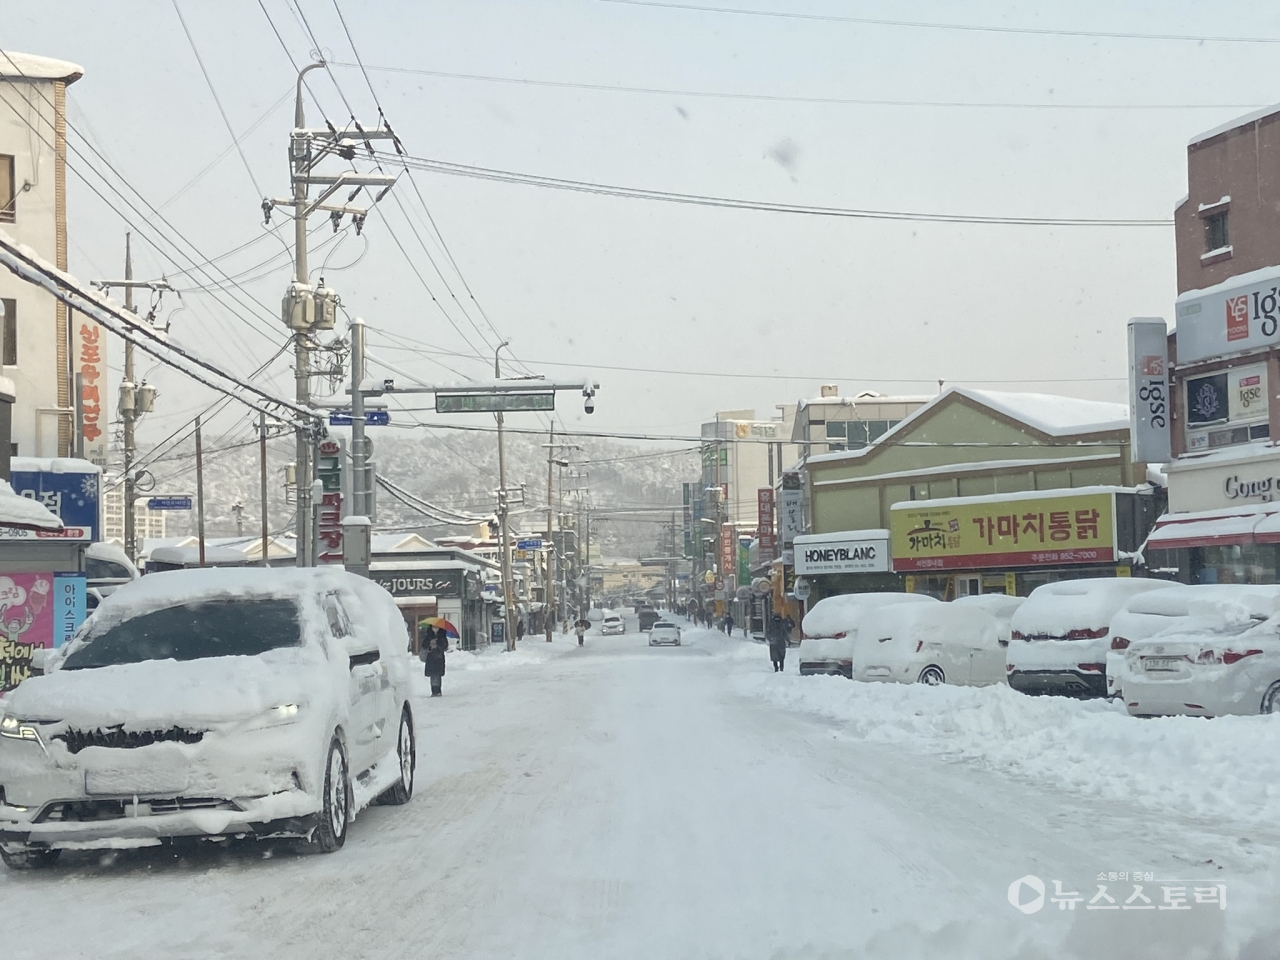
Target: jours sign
[[419, 583]]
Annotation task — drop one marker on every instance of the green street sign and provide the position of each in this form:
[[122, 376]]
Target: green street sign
[[493, 402]]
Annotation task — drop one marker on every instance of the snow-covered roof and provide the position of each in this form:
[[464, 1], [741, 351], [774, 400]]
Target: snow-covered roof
[[16, 511], [52, 465], [866, 397], [28, 66], [1248, 118], [1048, 413]]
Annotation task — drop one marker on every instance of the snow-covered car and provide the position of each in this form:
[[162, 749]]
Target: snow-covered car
[[664, 632], [999, 605], [107, 568], [1209, 605], [612, 624], [931, 643], [1058, 643], [211, 703], [831, 628], [1206, 665]]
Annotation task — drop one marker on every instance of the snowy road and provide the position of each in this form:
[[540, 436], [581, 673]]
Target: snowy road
[[618, 801]]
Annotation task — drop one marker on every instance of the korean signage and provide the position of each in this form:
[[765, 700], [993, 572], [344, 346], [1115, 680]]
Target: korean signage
[[72, 495], [91, 363], [756, 429], [330, 455], [1149, 413], [1239, 315], [764, 524], [37, 611], [791, 509], [971, 533], [744, 562], [420, 583], [1230, 399], [493, 402], [853, 552], [728, 551], [1195, 485]]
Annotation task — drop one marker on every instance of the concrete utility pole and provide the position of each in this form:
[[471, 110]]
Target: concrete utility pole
[[135, 399], [503, 514], [200, 491], [550, 551], [306, 310], [262, 481], [360, 505]]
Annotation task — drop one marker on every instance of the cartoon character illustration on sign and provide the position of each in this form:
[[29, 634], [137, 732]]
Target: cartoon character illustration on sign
[[19, 607]]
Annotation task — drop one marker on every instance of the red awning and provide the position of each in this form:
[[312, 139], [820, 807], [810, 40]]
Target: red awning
[[1216, 528]]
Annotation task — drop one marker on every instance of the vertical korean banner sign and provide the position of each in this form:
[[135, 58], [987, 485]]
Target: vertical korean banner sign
[[37, 611], [728, 555], [91, 364], [764, 524]]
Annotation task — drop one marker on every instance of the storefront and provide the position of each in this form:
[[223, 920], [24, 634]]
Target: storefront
[[1223, 524], [1013, 543], [443, 588], [849, 561]]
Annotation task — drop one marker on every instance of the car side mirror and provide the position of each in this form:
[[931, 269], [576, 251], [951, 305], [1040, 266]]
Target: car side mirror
[[362, 659]]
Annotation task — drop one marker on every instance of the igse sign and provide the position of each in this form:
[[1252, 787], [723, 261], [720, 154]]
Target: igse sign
[[1235, 316]]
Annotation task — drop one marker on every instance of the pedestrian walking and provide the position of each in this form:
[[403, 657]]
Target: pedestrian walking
[[520, 629], [777, 643], [580, 627], [728, 624], [434, 644]]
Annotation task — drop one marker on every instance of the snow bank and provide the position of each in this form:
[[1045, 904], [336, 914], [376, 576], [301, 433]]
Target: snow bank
[[1227, 769], [1058, 609], [840, 615]]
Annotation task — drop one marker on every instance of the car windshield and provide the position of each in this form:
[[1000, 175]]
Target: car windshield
[[193, 631]]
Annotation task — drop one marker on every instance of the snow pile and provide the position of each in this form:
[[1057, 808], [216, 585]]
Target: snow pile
[[840, 615], [16, 511], [1226, 768], [1057, 609]]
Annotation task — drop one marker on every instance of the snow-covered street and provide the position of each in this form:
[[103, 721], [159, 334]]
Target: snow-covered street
[[618, 801]]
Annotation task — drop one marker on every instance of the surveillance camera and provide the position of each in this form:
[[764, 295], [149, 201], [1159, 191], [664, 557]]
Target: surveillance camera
[[589, 405]]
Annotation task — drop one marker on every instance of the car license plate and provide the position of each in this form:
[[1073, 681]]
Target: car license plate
[[1160, 664]]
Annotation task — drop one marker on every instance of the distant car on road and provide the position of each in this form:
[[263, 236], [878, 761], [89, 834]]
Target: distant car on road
[[648, 617], [664, 632], [612, 624], [211, 703]]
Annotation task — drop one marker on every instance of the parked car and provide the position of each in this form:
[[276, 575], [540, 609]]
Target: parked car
[[612, 624], [1059, 636], [831, 628], [648, 617], [930, 643], [107, 567], [664, 632], [999, 605], [1148, 614], [211, 703], [1215, 662]]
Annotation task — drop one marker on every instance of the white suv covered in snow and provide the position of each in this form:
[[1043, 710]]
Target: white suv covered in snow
[[224, 703], [1060, 636], [664, 632]]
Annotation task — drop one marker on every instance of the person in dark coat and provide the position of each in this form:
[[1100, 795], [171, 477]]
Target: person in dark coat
[[434, 644], [728, 624], [777, 643], [520, 629]]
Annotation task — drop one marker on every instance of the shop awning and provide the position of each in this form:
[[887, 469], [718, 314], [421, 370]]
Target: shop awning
[[1216, 528]]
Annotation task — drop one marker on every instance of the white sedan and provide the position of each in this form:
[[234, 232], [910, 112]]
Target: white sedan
[[929, 643], [612, 624], [664, 632], [211, 703]]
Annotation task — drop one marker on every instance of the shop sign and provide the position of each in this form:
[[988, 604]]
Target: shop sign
[[1149, 413], [821, 554], [1239, 315], [73, 496], [91, 364], [728, 551], [744, 562], [66, 533], [764, 524], [973, 533], [423, 583], [791, 509], [37, 611], [329, 528], [755, 429], [1230, 399]]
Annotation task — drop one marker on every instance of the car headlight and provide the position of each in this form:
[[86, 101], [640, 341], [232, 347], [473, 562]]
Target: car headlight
[[277, 716], [14, 729]]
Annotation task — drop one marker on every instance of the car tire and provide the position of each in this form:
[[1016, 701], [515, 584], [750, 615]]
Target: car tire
[[335, 806], [407, 756], [30, 858], [1271, 699], [932, 676]]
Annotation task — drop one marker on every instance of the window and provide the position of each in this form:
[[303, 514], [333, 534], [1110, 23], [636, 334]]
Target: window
[[857, 434], [8, 195], [1215, 232], [96, 568], [9, 334], [836, 429]]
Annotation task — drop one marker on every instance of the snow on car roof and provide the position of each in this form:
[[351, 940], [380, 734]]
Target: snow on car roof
[[18, 511], [1056, 609], [843, 613], [933, 621], [172, 587], [1232, 601]]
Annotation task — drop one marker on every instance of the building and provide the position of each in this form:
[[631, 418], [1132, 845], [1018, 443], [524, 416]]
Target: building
[[832, 423], [150, 524], [740, 455], [989, 449], [1224, 362], [39, 346]]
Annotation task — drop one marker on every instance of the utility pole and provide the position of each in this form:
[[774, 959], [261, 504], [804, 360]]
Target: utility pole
[[135, 399], [262, 480], [551, 545], [306, 310], [200, 491], [503, 513], [360, 505]]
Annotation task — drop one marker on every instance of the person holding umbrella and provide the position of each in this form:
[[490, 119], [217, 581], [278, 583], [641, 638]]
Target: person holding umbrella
[[435, 643], [580, 627]]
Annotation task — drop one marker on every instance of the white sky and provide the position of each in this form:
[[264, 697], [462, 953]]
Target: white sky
[[605, 281]]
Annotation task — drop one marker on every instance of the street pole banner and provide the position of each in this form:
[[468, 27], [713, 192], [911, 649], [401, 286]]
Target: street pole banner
[[764, 524], [791, 509], [1149, 406], [728, 553]]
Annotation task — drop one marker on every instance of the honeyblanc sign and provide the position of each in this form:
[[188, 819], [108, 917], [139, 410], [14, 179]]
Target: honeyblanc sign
[[850, 551]]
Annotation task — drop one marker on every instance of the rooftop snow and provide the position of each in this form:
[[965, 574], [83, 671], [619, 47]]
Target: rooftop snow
[[16, 511], [1248, 118], [28, 66]]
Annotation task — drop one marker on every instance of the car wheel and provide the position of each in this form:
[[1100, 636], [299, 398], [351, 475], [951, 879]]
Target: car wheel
[[1271, 699], [30, 858], [407, 755], [932, 676], [335, 808]]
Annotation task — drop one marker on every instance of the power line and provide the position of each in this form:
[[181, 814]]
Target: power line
[[734, 203], [782, 98], [927, 25]]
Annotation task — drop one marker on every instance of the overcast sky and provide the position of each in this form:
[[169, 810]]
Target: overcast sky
[[784, 302]]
